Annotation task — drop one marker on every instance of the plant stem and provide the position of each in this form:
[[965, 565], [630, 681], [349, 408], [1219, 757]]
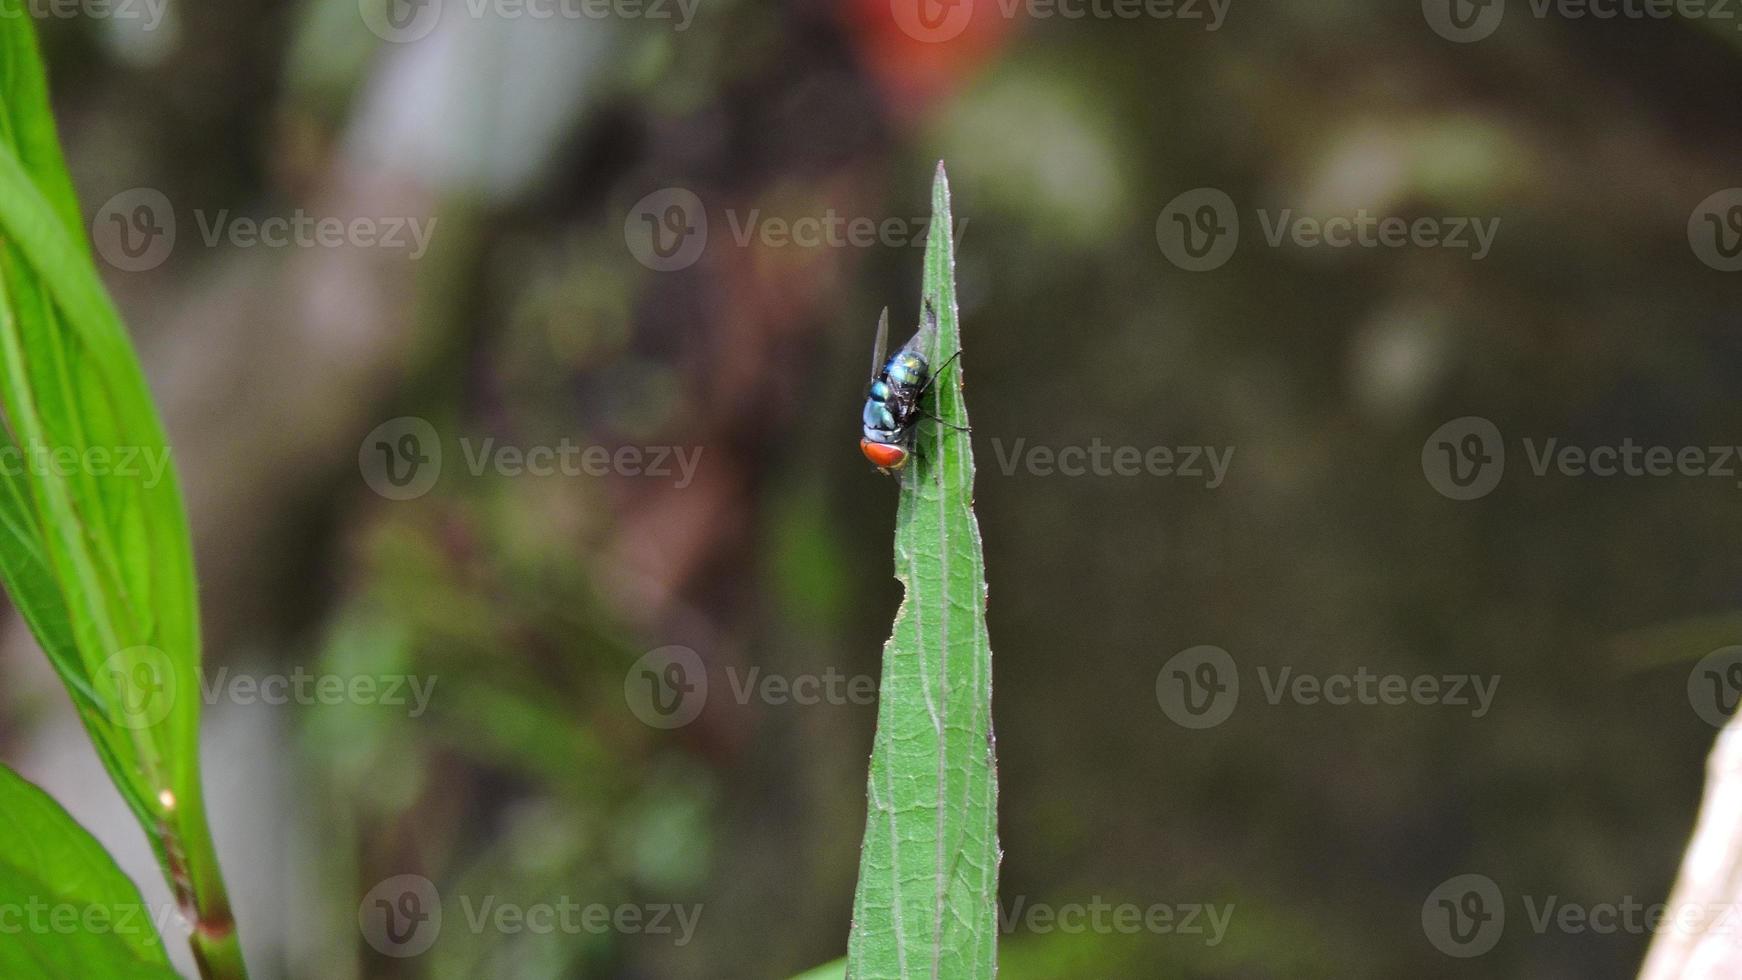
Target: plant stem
[[219, 957], [216, 943]]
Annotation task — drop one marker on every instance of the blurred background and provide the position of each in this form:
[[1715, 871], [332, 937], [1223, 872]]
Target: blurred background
[[631, 225]]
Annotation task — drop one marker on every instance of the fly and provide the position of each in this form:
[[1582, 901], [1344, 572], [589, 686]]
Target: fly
[[892, 401]]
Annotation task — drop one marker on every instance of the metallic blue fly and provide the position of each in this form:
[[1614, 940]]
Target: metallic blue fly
[[892, 401]]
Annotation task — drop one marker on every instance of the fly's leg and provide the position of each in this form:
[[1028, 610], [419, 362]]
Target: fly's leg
[[959, 428], [937, 374], [927, 387]]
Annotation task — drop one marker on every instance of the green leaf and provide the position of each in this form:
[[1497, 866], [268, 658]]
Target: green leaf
[[25, 124], [828, 971], [94, 544], [66, 910], [103, 563], [926, 904]]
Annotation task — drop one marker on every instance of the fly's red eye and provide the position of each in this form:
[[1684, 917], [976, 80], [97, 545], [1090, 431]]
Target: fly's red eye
[[883, 454]]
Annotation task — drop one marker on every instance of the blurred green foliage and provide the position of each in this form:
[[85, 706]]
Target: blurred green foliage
[[1325, 550]]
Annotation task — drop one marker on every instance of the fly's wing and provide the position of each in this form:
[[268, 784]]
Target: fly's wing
[[882, 345], [925, 340]]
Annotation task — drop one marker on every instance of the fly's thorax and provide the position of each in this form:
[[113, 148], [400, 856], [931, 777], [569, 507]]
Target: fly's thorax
[[877, 415], [907, 369]]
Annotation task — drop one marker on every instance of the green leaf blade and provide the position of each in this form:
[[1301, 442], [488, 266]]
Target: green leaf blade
[[926, 904], [26, 128], [97, 554], [71, 912]]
